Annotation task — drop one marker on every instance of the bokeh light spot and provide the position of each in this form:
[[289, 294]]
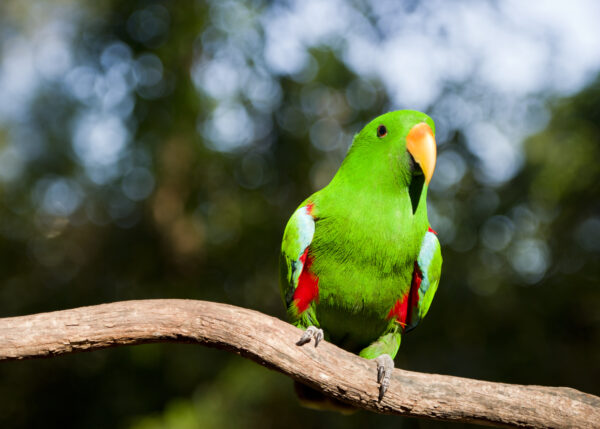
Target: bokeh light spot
[[530, 258]]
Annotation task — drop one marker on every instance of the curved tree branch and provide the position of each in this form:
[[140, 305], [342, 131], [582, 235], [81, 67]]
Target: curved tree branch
[[271, 342]]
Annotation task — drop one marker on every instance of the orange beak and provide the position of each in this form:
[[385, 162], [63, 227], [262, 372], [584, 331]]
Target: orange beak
[[420, 143]]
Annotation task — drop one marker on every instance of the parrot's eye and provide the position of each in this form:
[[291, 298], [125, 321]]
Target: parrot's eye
[[381, 131]]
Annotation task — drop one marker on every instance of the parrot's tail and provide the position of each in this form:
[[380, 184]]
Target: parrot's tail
[[311, 398]]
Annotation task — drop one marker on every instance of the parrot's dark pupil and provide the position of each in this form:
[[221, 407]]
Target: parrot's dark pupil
[[381, 131]]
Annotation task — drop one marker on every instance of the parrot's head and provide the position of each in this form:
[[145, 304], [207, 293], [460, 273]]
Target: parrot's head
[[398, 144]]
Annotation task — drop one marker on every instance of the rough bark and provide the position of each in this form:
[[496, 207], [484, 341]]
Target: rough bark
[[271, 342]]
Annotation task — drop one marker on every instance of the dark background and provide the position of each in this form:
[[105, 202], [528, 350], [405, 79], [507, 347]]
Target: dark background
[[157, 149]]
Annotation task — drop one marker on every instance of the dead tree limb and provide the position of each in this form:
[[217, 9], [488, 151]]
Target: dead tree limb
[[270, 342]]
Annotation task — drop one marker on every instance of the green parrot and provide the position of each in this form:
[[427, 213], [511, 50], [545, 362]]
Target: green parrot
[[359, 262]]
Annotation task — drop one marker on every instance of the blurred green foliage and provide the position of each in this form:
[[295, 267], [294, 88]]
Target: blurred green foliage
[[164, 158]]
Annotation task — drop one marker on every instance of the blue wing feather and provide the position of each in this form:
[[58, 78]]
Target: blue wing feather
[[297, 237], [429, 263]]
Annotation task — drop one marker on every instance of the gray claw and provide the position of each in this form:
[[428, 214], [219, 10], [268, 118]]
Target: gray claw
[[380, 372], [311, 332], [385, 366], [318, 336]]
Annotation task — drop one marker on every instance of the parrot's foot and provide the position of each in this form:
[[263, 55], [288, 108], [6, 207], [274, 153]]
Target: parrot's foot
[[311, 332], [385, 366]]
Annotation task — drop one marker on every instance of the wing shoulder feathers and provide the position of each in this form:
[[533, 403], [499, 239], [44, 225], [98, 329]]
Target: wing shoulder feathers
[[297, 236], [426, 277], [430, 263]]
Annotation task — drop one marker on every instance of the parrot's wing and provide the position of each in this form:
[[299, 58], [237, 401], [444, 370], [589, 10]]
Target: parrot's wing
[[428, 269], [297, 237]]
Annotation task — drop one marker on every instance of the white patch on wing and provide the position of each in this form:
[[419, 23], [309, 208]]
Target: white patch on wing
[[305, 225]]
